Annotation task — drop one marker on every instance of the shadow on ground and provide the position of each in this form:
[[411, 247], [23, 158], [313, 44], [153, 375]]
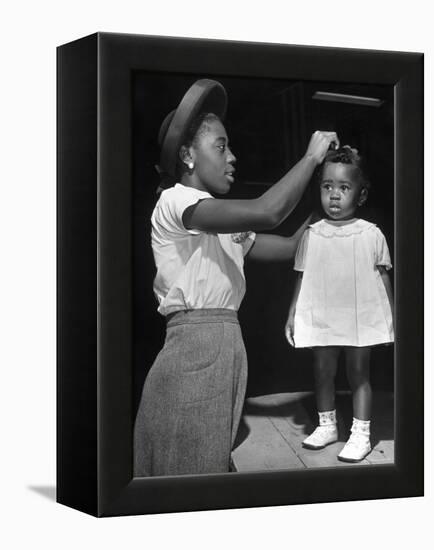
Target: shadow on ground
[[382, 424], [45, 491]]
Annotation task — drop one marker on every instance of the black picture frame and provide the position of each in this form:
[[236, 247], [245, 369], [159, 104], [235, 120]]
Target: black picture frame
[[95, 279]]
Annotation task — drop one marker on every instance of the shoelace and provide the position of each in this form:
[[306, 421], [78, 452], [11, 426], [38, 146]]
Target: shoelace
[[326, 427], [320, 430], [357, 439]]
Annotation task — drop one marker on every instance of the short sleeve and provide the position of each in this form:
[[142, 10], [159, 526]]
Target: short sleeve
[[300, 255], [174, 202], [382, 256]]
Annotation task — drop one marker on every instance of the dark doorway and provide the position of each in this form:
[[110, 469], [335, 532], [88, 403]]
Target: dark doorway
[[269, 123]]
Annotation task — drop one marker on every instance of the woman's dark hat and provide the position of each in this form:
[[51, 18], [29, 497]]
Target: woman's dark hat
[[203, 96]]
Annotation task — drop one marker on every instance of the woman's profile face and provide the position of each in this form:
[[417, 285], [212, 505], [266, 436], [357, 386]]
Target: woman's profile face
[[213, 160]]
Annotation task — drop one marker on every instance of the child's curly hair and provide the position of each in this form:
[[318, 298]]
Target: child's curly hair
[[347, 155]]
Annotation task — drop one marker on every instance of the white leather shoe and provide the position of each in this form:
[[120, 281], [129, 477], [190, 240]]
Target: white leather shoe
[[321, 436], [356, 448]]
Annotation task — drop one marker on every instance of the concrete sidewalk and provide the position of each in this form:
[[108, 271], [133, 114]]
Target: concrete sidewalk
[[274, 426]]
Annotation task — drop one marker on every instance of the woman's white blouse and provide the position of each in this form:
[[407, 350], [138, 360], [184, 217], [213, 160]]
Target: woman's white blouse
[[195, 270]]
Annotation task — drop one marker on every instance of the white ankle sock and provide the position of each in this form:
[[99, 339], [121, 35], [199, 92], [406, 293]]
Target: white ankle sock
[[361, 427], [327, 418]]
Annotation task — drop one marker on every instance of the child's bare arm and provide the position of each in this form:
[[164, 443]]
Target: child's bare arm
[[388, 286], [289, 327]]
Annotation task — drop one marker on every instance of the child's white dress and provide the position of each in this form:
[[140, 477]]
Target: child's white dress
[[342, 300]]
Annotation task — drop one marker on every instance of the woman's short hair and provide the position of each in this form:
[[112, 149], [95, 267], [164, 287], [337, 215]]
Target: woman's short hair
[[198, 127]]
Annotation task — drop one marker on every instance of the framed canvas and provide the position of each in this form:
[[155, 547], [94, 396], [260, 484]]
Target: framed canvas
[[113, 92]]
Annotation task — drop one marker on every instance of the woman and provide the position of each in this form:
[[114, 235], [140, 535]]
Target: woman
[[193, 395]]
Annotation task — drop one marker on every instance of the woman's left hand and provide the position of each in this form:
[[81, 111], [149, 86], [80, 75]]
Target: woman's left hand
[[289, 330]]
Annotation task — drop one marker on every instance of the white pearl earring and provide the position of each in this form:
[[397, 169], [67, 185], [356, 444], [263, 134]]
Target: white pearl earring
[[190, 165]]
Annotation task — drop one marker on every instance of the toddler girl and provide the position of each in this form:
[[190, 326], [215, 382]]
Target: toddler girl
[[342, 300]]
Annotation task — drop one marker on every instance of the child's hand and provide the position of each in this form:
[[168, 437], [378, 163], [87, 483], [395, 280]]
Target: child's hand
[[289, 330]]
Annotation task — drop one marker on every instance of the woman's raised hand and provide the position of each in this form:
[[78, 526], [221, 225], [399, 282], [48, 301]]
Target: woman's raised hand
[[319, 144]]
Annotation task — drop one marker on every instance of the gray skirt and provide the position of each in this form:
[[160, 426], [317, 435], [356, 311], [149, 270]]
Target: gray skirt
[[193, 396]]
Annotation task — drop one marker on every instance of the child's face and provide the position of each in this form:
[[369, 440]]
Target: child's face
[[340, 190], [213, 159]]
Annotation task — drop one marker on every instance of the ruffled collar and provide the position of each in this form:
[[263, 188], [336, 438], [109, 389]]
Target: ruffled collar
[[327, 228]]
